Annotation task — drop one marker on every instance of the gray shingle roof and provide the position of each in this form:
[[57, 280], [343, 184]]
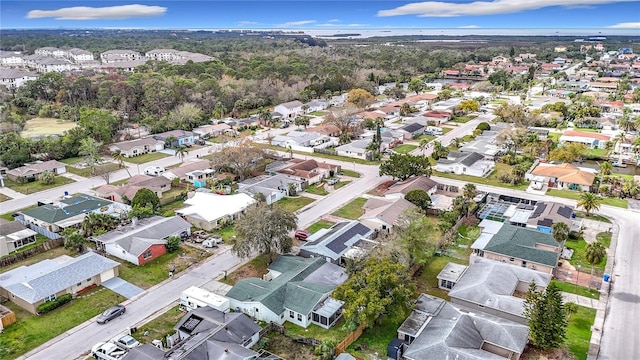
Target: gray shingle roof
[[35, 282], [135, 239], [335, 241], [75, 205], [519, 242]]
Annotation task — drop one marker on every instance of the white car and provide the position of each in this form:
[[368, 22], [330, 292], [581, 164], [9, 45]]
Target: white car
[[107, 351], [125, 341]]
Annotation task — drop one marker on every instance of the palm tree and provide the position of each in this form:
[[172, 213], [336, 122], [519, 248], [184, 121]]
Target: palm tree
[[594, 253], [219, 110], [630, 187], [181, 151], [439, 150], [560, 232], [424, 144], [119, 157], [469, 191], [589, 202], [170, 140], [570, 308], [605, 168], [456, 142], [461, 206], [405, 109]]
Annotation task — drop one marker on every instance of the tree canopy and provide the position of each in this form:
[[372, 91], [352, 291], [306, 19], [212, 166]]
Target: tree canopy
[[145, 198], [547, 317], [419, 198], [404, 166]]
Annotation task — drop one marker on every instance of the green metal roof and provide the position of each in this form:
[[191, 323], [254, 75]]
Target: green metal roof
[[519, 242], [69, 207]]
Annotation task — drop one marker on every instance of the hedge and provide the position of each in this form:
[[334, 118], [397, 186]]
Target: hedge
[[52, 305]]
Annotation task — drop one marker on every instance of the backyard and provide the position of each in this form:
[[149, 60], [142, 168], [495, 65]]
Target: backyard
[[579, 258], [146, 158], [31, 331], [352, 210], [53, 253], [293, 204], [160, 326], [36, 186], [372, 344], [157, 270], [575, 195], [427, 282], [46, 126]]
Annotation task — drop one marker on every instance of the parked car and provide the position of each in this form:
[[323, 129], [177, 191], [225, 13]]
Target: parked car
[[301, 234], [107, 351], [125, 341], [200, 142], [333, 181], [111, 313], [212, 242]]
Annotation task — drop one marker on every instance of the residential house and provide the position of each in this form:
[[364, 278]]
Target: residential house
[[542, 133], [561, 176], [199, 178], [126, 65], [517, 246], [182, 172], [472, 164], [206, 131], [15, 78], [50, 51], [209, 211], [401, 188], [124, 193], [32, 171], [334, 244], [316, 105], [590, 139], [137, 147], [11, 58], [13, 236], [310, 171], [412, 130], [295, 289], [112, 56], [338, 100], [484, 144], [437, 329], [49, 64], [500, 60], [438, 116], [290, 110], [384, 214], [356, 149], [31, 285], [327, 130], [273, 187], [178, 137], [143, 239], [497, 288], [300, 139], [450, 275], [70, 211], [79, 55]]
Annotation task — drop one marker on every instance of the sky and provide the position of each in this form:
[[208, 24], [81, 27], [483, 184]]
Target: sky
[[480, 16]]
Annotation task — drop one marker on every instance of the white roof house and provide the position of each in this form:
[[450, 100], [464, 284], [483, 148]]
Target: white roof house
[[209, 211]]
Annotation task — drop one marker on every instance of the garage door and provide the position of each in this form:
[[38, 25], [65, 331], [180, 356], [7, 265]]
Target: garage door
[[107, 275]]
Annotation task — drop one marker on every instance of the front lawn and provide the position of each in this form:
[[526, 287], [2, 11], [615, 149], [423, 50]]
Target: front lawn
[[349, 173], [575, 195], [254, 268], [463, 119], [404, 148], [159, 327], [99, 169], [316, 190], [317, 113], [227, 233], [320, 224], [579, 332], [157, 270], [36, 186], [31, 331], [340, 184], [427, 282], [73, 160], [582, 214], [579, 255], [4, 197], [571, 288], [374, 340], [446, 130], [352, 210], [293, 204], [146, 158], [492, 179], [604, 238], [426, 137]]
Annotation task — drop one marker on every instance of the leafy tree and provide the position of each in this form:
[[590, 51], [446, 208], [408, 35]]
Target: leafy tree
[[360, 97], [382, 287], [412, 240], [89, 149], [141, 212], [468, 106], [469, 191], [589, 202], [630, 187], [594, 253], [146, 197], [74, 240], [416, 85], [47, 178], [560, 232], [265, 230], [439, 150], [547, 316], [181, 152], [173, 244], [219, 110], [404, 166], [419, 198], [568, 152], [97, 224], [483, 126], [447, 220], [99, 124], [302, 121]]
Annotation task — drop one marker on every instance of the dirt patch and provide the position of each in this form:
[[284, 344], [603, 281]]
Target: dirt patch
[[531, 353], [46, 126], [287, 348], [382, 188]]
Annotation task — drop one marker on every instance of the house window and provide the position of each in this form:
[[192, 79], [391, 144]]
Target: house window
[[78, 284], [147, 254], [291, 314], [50, 298], [299, 317], [524, 264], [89, 280], [257, 310], [511, 259]]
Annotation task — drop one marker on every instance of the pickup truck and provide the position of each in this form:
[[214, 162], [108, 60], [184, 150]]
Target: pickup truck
[[107, 351]]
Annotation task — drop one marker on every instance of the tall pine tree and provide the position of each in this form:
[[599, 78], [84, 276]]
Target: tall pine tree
[[547, 317]]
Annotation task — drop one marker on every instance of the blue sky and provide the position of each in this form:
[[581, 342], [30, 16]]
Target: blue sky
[[623, 15]]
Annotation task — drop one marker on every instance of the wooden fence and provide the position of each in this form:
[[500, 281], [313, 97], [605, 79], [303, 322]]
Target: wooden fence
[[349, 339], [45, 246]]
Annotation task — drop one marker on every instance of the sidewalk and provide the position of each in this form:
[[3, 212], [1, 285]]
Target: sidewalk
[[73, 177], [11, 193], [581, 300]]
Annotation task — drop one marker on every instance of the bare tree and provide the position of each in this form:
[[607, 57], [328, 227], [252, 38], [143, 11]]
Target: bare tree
[[240, 155]]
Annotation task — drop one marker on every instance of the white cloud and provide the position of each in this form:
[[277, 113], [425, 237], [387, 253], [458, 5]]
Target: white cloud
[[356, 25], [94, 13], [628, 25], [333, 20], [296, 23], [469, 27], [246, 23], [479, 8]]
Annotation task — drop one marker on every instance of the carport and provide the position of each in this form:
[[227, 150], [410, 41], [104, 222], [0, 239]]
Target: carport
[[122, 287]]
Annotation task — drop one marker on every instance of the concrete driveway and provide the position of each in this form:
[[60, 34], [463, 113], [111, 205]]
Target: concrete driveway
[[122, 287]]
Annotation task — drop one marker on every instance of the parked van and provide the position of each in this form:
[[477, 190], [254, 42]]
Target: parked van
[[434, 130], [154, 170]]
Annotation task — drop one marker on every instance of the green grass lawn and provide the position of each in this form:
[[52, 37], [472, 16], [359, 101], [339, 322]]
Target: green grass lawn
[[579, 256], [73, 160], [352, 210], [53, 253], [314, 189], [350, 173], [100, 169], [293, 204], [33, 187], [604, 238], [317, 113], [159, 327], [427, 282], [554, 136], [571, 288], [463, 119], [597, 153], [375, 338], [31, 331], [587, 130], [320, 224], [579, 332], [491, 180], [168, 209], [227, 233], [4, 197], [254, 268], [146, 158], [582, 214], [404, 148], [575, 195], [157, 270], [429, 137], [340, 184], [446, 130], [325, 156], [337, 333]]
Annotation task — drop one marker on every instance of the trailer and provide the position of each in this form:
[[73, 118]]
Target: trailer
[[195, 297]]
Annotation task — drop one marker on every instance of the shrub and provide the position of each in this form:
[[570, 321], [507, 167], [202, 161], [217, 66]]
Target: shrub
[[173, 244], [52, 305], [483, 126]]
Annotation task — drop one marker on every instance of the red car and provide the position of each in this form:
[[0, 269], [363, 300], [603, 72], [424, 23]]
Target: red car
[[301, 234]]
